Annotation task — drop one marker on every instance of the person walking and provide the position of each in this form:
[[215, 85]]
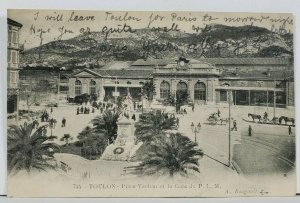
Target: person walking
[[250, 131], [133, 117], [51, 109], [290, 130], [177, 122], [234, 126], [193, 107], [266, 116], [77, 110], [219, 112], [63, 122], [81, 110]]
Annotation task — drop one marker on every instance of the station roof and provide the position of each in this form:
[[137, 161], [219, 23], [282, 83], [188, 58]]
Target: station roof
[[277, 75], [130, 73], [247, 61]]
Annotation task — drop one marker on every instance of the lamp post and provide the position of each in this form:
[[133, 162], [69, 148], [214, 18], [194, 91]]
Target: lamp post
[[195, 129], [116, 90], [229, 129]]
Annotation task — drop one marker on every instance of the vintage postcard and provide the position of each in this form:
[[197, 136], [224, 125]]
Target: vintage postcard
[[150, 104]]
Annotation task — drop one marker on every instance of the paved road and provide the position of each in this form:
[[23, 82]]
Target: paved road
[[269, 150]]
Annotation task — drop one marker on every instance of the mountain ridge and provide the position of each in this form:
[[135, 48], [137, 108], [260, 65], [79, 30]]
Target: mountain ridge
[[216, 40]]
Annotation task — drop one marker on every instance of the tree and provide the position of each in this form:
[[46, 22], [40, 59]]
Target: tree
[[92, 143], [66, 138], [172, 155], [107, 124], [182, 98], [42, 86], [26, 148], [152, 124], [148, 90]]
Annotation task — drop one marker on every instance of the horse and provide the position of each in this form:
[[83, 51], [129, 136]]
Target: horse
[[225, 120], [212, 116], [286, 119], [254, 116]]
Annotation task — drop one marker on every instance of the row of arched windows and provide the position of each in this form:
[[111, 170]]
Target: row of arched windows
[[78, 87], [199, 90]]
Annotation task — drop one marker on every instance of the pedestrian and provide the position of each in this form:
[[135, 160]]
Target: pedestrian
[[193, 107], [234, 126], [81, 110], [77, 110], [46, 116], [63, 122], [51, 109], [265, 116], [177, 122], [133, 117], [184, 111], [250, 130], [219, 112], [290, 130]]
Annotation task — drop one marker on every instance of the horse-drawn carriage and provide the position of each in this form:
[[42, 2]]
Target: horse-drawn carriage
[[214, 119], [274, 121]]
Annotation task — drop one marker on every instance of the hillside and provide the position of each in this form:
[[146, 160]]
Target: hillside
[[93, 50]]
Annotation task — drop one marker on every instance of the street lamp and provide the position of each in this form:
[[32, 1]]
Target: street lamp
[[196, 129]]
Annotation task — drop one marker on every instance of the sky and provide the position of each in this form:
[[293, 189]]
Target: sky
[[65, 24]]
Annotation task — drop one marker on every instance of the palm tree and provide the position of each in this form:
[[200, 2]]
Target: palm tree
[[107, 124], [152, 124], [28, 148], [182, 98], [148, 90], [172, 155]]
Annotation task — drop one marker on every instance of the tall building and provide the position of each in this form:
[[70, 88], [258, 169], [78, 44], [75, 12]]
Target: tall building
[[13, 51]]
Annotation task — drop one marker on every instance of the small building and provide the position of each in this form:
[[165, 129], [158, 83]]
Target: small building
[[13, 52]]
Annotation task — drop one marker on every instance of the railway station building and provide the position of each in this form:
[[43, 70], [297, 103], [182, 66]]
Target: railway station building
[[246, 81]]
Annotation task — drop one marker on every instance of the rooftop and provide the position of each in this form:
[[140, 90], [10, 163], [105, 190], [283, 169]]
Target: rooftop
[[12, 22], [247, 61]]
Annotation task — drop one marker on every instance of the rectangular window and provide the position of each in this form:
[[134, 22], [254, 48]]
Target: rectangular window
[[13, 77], [223, 95], [14, 37], [14, 58], [8, 56], [9, 36]]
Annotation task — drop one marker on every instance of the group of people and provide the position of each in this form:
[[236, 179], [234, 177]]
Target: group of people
[[84, 110]]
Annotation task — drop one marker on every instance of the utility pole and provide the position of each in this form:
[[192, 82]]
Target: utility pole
[[229, 130], [274, 109]]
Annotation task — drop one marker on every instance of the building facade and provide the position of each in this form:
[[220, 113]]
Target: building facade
[[13, 52], [249, 81]]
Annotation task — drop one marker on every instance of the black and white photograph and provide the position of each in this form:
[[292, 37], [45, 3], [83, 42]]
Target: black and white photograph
[[150, 104]]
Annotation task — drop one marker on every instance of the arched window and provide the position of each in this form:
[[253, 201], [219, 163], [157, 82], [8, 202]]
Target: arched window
[[164, 90], [182, 86], [77, 87], [200, 91], [92, 87]]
